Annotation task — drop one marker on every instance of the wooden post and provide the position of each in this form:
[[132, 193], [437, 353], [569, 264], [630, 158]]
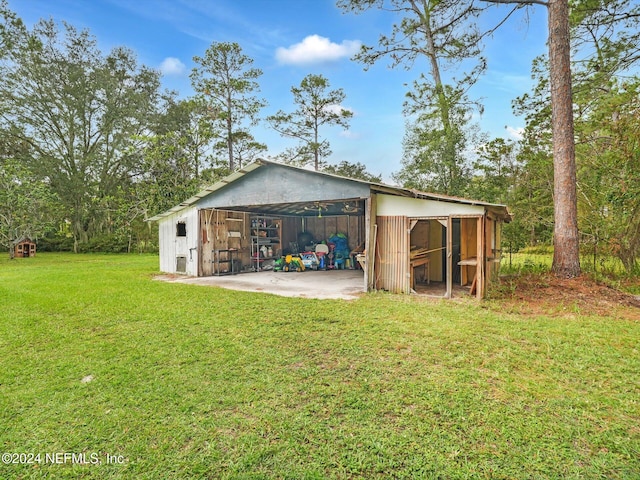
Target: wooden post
[[480, 277], [370, 242], [406, 256], [449, 293], [199, 225]]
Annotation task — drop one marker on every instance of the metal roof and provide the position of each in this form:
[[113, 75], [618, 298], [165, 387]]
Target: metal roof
[[375, 187]]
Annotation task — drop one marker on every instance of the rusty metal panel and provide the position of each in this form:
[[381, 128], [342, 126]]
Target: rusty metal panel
[[392, 254]]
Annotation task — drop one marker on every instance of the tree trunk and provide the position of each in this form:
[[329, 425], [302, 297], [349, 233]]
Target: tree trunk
[[566, 255], [232, 164], [316, 145], [443, 102]]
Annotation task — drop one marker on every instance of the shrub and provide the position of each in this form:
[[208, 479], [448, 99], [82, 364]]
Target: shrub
[[55, 242]]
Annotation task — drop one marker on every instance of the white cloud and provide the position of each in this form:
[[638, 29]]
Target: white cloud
[[350, 135], [515, 133], [172, 66], [337, 109], [316, 49]]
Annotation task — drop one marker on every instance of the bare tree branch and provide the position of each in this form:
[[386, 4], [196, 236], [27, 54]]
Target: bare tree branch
[[519, 2]]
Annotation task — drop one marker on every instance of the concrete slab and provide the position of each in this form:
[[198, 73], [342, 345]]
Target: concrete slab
[[337, 284]]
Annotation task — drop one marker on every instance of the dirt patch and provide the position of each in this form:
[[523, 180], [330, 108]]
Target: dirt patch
[[546, 294]]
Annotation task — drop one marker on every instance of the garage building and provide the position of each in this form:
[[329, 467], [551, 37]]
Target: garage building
[[403, 239]]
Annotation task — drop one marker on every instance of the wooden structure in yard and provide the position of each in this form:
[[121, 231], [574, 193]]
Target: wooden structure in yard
[[24, 247], [408, 236]]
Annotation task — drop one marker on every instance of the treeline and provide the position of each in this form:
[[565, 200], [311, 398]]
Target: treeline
[[445, 150], [90, 145], [606, 106]]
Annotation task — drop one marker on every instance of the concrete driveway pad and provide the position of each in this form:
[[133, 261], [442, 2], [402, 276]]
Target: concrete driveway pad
[[337, 284]]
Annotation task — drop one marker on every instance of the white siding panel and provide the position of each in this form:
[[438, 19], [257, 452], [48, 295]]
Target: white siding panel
[[172, 246], [391, 205], [167, 233]]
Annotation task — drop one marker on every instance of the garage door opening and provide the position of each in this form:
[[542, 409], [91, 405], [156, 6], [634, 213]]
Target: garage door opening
[[253, 240]]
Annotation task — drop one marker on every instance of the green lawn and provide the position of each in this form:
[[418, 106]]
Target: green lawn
[[197, 382]]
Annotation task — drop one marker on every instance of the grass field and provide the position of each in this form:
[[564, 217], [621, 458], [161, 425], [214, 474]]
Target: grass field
[[155, 380]]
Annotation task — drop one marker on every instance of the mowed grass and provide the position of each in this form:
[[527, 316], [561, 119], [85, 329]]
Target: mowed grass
[[191, 382]]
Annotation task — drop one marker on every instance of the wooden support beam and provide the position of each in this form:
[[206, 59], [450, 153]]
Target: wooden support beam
[[449, 258], [481, 257], [370, 242]]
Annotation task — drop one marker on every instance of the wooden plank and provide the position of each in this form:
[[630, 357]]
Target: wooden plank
[[205, 244], [392, 257], [480, 277], [341, 224], [464, 242]]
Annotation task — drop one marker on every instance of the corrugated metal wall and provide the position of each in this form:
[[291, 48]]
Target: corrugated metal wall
[[392, 254]]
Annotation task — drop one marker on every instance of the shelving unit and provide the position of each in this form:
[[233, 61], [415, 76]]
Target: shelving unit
[[224, 262], [265, 232]]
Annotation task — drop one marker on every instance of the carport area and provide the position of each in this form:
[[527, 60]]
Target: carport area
[[336, 284]]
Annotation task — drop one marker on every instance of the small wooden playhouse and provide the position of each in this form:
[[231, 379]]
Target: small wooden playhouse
[[405, 235], [24, 247]]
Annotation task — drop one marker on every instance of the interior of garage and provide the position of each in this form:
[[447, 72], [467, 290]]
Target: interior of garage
[[255, 238]]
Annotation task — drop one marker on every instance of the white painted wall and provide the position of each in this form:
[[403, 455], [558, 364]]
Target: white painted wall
[[172, 246], [390, 205]]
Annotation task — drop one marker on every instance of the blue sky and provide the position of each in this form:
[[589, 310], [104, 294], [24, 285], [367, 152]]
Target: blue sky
[[289, 39]]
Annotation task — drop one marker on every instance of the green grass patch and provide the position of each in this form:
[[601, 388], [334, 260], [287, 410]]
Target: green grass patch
[[199, 382], [539, 259]]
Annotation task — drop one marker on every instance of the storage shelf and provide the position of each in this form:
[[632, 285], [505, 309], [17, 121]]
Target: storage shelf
[[224, 259], [266, 231]]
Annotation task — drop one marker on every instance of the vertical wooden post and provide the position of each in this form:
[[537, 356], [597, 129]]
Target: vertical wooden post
[[405, 256], [464, 250], [199, 224], [370, 242], [449, 251], [480, 276]]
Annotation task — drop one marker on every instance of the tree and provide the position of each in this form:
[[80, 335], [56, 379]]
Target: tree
[[80, 112], [352, 170], [316, 107], [604, 50], [608, 151], [566, 240], [179, 156], [245, 147], [12, 30], [187, 125], [436, 158], [226, 79], [442, 33], [497, 171], [607, 125], [26, 202], [169, 176]]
